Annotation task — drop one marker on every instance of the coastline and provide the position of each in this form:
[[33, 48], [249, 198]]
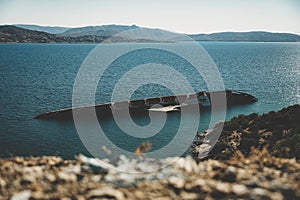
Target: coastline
[[278, 131], [100, 34]]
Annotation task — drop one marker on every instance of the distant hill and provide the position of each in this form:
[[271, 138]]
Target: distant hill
[[254, 36], [47, 29], [97, 34], [13, 34], [105, 30]]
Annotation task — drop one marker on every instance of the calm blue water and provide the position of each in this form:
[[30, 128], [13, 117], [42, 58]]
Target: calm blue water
[[37, 78]]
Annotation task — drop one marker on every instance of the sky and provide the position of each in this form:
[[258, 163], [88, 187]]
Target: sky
[[184, 16]]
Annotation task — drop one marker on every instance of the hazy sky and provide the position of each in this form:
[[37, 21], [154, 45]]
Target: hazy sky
[[185, 16]]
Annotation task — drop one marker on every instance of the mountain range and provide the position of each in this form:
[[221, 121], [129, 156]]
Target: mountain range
[[47, 29], [24, 33]]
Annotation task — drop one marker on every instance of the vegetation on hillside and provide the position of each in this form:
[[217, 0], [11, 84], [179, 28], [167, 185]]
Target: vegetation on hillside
[[278, 131], [13, 34]]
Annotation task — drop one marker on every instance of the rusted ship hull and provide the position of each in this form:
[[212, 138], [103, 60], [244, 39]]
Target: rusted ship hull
[[144, 106]]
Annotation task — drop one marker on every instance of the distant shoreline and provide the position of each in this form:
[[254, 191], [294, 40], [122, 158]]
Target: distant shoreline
[[97, 35]]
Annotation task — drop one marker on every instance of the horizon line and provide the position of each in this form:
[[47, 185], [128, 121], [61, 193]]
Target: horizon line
[[195, 33]]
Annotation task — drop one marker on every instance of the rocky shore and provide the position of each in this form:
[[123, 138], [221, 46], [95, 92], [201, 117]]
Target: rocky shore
[[278, 131], [265, 170]]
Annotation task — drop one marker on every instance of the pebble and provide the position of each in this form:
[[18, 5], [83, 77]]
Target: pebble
[[223, 187], [54, 160], [230, 174], [2, 183], [24, 195], [176, 182], [188, 164], [106, 192], [188, 195], [239, 189], [50, 177], [96, 178], [38, 194], [259, 192], [73, 169], [68, 177]]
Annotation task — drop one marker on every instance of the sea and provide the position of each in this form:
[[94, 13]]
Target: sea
[[38, 78]]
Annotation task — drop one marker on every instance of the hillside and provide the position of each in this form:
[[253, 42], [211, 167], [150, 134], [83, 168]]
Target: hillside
[[47, 29], [278, 131], [13, 34], [255, 36], [105, 30]]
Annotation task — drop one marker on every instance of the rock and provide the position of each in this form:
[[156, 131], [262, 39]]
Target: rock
[[230, 175], [276, 196], [223, 187], [36, 171], [28, 179], [239, 189], [146, 167], [259, 193], [242, 174], [73, 169], [68, 177], [54, 160], [105, 192], [38, 194], [2, 183], [188, 195], [96, 165], [96, 178], [24, 195], [196, 185], [163, 198], [188, 164], [50, 177], [176, 182]]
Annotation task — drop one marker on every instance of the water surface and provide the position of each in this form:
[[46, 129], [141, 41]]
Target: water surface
[[37, 78]]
